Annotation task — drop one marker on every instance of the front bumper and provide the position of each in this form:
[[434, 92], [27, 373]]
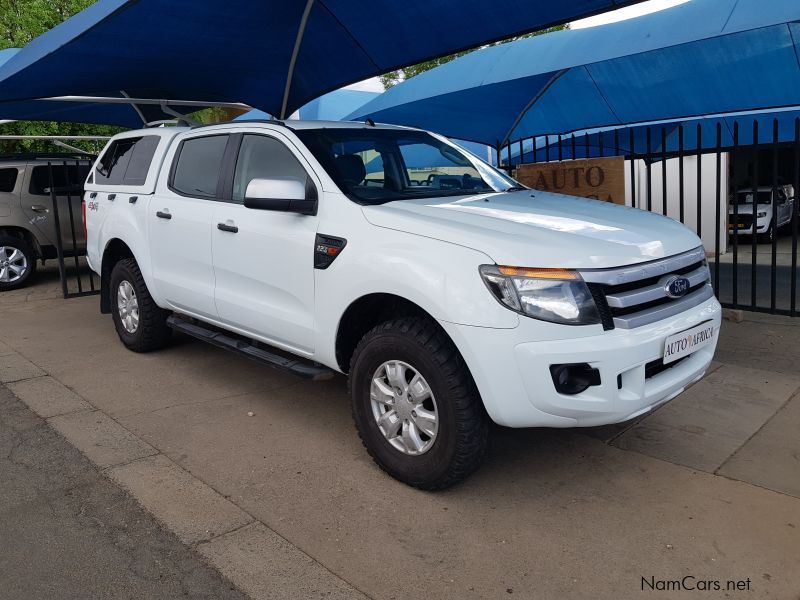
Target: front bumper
[[513, 373], [762, 225]]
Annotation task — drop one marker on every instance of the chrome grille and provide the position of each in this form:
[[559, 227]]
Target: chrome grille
[[634, 296]]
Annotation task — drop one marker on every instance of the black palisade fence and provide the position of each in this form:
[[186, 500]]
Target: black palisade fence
[[65, 186], [734, 181]]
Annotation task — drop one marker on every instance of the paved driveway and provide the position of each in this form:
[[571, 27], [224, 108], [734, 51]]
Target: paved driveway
[[287, 500]]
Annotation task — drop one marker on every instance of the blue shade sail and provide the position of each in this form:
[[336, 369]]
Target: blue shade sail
[[704, 57], [244, 50]]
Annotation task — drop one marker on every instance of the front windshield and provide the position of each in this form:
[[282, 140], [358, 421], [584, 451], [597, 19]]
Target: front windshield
[[747, 198], [374, 166]]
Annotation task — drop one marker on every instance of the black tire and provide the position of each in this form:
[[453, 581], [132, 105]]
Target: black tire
[[463, 425], [768, 236], [10, 241], [152, 331]]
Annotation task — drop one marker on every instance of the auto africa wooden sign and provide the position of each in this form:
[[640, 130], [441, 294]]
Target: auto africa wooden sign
[[598, 178]]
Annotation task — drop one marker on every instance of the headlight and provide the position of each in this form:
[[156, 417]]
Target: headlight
[[554, 295], [761, 215]]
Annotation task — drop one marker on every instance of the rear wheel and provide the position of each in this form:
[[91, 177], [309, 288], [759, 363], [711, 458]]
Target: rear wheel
[[17, 262], [415, 405], [141, 325]]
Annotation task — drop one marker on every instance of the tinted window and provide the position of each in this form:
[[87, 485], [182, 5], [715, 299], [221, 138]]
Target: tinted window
[[198, 167], [127, 161], [67, 180], [262, 157], [373, 166], [8, 180]]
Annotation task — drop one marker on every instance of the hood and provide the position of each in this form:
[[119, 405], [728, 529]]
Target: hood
[[540, 229]]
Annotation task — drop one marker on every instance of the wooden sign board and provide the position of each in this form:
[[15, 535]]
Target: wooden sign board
[[598, 178]]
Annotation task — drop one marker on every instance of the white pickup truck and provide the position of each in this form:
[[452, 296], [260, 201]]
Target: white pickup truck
[[450, 295]]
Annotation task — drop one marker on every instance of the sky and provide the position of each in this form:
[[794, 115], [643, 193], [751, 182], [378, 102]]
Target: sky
[[374, 84]]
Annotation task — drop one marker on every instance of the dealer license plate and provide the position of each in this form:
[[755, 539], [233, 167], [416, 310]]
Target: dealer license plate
[[687, 342]]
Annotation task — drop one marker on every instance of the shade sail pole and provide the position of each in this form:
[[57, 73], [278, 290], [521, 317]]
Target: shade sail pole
[[297, 43], [134, 107], [530, 104]]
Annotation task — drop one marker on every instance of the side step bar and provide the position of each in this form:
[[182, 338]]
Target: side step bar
[[304, 369]]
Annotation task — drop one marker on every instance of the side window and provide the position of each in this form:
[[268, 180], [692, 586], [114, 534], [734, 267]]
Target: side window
[[264, 157], [198, 165], [127, 161], [67, 180], [8, 180]]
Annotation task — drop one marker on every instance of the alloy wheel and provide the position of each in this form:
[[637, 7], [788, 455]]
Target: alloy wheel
[[128, 307], [13, 264], [404, 407]]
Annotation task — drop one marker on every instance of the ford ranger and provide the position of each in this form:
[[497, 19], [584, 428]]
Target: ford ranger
[[449, 294]]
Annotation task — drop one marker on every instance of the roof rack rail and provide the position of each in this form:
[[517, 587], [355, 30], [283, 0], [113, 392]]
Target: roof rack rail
[[46, 156]]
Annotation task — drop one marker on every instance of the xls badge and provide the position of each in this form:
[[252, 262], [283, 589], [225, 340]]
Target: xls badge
[[676, 286]]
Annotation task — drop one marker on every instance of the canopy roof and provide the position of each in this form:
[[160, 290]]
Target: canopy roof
[[272, 55], [699, 58]]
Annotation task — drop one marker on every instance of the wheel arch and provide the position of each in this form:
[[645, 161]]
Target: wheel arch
[[115, 251], [24, 234], [366, 312]]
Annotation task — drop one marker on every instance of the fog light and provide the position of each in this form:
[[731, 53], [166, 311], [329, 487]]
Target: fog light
[[574, 379]]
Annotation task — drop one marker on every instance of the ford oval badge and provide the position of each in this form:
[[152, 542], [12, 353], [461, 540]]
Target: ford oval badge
[[676, 286]]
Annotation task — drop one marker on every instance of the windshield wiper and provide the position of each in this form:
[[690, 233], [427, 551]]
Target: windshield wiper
[[515, 188]]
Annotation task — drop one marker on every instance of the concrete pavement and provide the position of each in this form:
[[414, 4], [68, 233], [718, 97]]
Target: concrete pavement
[[68, 532], [706, 486]]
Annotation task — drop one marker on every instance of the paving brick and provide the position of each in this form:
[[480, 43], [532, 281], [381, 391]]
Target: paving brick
[[186, 505], [100, 438], [267, 567], [48, 397], [14, 367]]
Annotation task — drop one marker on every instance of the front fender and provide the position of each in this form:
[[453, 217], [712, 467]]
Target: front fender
[[439, 277]]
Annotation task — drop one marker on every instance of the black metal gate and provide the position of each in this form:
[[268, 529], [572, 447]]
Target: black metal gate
[[735, 182], [66, 181]]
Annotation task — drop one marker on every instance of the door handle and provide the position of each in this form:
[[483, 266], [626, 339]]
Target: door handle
[[93, 195], [39, 208], [133, 199], [112, 197], [163, 214], [226, 227]]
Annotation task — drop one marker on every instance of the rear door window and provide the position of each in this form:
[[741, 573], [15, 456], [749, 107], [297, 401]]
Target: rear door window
[[8, 180], [67, 180], [127, 161], [197, 166]]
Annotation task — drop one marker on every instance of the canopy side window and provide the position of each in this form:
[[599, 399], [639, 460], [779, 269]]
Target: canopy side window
[[126, 161]]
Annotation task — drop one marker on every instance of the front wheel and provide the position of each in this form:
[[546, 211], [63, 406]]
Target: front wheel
[[415, 405], [768, 236], [141, 325]]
